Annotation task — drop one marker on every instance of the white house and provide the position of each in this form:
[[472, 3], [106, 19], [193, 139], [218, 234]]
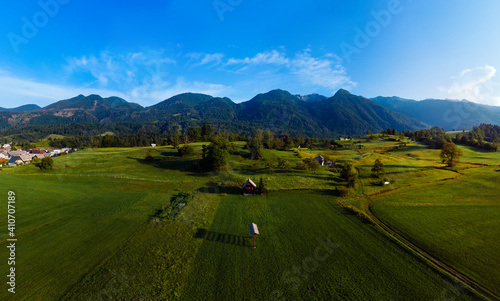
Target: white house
[[153, 145], [56, 152], [41, 156], [26, 158], [15, 161]]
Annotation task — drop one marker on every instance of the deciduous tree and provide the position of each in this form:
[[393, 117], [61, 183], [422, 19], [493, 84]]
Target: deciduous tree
[[450, 154], [378, 168], [47, 163]]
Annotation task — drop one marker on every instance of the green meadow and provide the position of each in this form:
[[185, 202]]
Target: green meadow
[[456, 221], [87, 229]]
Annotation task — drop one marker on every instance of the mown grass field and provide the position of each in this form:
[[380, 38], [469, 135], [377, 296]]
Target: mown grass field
[[457, 221], [85, 229], [360, 265]]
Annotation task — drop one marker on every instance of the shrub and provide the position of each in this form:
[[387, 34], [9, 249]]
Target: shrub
[[186, 150], [312, 164], [262, 187], [284, 164], [255, 165], [363, 172], [349, 173], [47, 163], [343, 191], [301, 166], [267, 163], [378, 168]]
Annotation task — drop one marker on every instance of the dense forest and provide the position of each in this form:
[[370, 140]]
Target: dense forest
[[485, 136], [94, 135]]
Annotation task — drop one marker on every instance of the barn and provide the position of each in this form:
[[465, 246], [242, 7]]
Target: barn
[[249, 188], [320, 160]]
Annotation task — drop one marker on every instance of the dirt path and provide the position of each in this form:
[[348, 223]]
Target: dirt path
[[435, 263]]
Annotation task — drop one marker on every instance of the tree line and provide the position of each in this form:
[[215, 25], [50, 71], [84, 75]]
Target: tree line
[[484, 136]]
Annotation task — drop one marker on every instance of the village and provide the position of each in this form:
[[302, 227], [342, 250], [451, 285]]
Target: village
[[10, 156]]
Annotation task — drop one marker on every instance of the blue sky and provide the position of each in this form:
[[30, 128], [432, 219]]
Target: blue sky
[[148, 51]]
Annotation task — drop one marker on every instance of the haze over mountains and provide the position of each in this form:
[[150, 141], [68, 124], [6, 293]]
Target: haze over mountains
[[447, 114], [277, 111]]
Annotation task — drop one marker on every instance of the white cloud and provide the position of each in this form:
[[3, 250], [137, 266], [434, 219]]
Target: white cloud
[[324, 72], [149, 77], [145, 78], [200, 59], [478, 85], [181, 86], [301, 70], [269, 57], [131, 69], [19, 91]]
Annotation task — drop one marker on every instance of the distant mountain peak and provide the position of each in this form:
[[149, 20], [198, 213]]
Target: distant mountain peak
[[443, 112], [278, 92], [315, 97], [342, 92], [24, 108]]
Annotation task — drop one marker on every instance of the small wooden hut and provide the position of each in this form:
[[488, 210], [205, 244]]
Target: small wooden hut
[[249, 188]]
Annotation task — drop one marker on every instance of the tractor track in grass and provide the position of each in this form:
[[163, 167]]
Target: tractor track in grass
[[432, 261]]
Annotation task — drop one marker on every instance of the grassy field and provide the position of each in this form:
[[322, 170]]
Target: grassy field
[[86, 229], [456, 221], [291, 260], [66, 225]]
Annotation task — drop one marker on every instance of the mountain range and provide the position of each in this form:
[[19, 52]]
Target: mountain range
[[277, 111], [447, 114], [25, 108]]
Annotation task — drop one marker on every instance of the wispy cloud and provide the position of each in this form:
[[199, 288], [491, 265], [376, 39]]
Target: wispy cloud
[[133, 68], [19, 91], [148, 77], [181, 85], [326, 72], [200, 59], [300, 70], [272, 57], [144, 77], [477, 84]]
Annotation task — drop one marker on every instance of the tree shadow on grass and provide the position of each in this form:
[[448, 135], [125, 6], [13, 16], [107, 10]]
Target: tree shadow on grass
[[214, 188], [172, 163], [237, 240]]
